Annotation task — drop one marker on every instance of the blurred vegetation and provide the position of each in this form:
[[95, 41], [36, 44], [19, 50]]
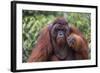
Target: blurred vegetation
[[34, 21]]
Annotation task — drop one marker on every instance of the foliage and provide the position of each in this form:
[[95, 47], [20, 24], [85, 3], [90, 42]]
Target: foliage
[[34, 21]]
